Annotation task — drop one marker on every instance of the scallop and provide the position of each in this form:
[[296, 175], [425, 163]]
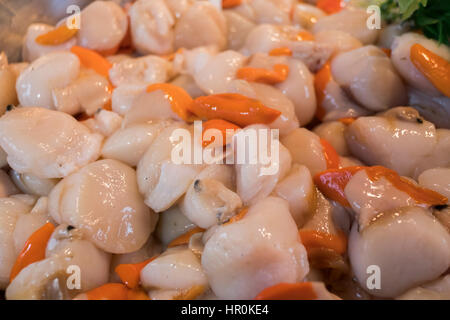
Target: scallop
[[334, 133], [88, 93], [436, 179], [10, 210], [46, 143], [210, 199], [377, 90], [238, 27], [51, 71], [161, 177], [151, 25], [352, 21], [92, 262], [401, 58], [176, 269], [116, 220], [270, 97], [299, 88], [201, 25], [306, 149], [298, 189], [140, 71], [217, 73], [260, 250], [129, 144], [103, 26], [172, 223], [399, 139], [409, 246], [31, 50]]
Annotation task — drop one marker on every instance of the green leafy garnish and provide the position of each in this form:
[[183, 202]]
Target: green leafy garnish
[[432, 17]]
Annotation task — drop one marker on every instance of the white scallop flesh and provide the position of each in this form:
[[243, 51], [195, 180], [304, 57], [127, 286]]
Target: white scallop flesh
[[123, 97], [10, 210], [322, 217], [177, 268], [104, 122], [260, 250], [306, 149], [390, 32], [129, 144], [435, 290], [32, 281], [7, 187], [435, 109], [401, 58], [255, 180], [52, 71], [46, 143], [398, 141], [340, 40], [306, 15], [209, 199], [140, 71], [93, 262], [216, 75], [148, 107], [178, 7], [161, 179], [409, 246], [103, 25], [436, 179], [377, 90], [238, 27], [299, 88], [172, 223], [188, 83], [28, 222], [31, 50], [265, 37], [149, 250], [270, 97], [88, 93], [334, 133], [3, 158], [297, 188], [352, 21], [151, 24], [7, 84], [272, 11], [368, 198], [116, 220], [201, 25]]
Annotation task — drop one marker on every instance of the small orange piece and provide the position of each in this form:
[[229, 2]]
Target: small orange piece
[[282, 51], [184, 238], [226, 4], [277, 75], [330, 6], [330, 154], [92, 60], [433, 67], [313, 239], [288, 291], [234, 108], [130, 273], [33, 250], [56, 36]]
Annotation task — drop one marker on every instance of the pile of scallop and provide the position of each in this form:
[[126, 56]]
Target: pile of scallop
[[93, 205]]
